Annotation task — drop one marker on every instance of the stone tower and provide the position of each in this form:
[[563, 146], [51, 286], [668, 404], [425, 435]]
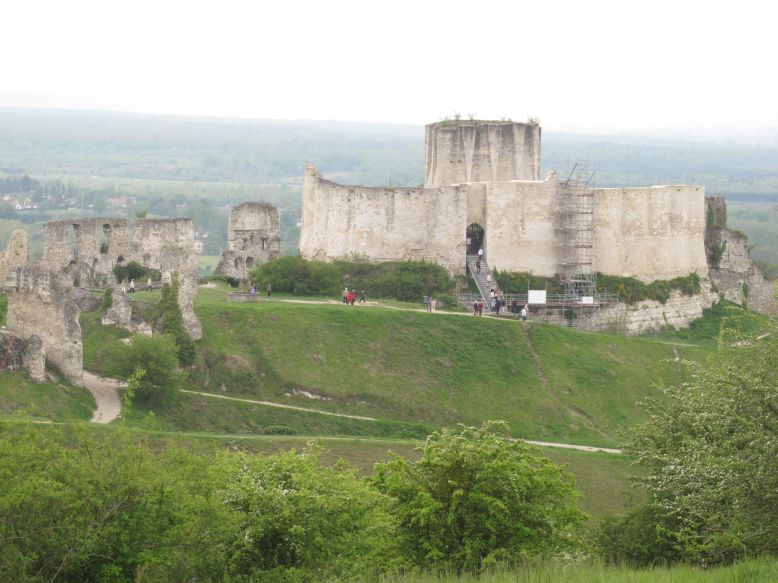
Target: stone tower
[[481, 151]]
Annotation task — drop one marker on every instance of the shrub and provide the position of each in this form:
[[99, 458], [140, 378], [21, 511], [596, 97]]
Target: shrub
[[475, 497], [157, 356], [172, 322], [631, 290], [107, 299], [519, 282], [401, 280], [300, 521], [279, 430], [229, 280], [638, 539], [130, 271]]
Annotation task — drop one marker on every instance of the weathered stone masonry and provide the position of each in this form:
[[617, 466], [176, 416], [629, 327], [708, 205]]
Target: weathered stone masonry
[[254, 237], [42, 309], [90, 248]]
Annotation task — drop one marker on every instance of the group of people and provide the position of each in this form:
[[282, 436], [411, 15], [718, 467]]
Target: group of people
[[497, 302], [350, 296]]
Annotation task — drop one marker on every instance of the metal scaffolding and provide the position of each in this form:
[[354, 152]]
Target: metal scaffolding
[[576, 208]]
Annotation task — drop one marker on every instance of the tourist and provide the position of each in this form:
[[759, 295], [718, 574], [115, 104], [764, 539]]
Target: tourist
[[132, 286], [524, 313], [480, 254], [352, 295], [480, 309], [253, 289], [497, 304], [514, 307], [429, 304], [269, 290], [362, 297], [478, 266], [433, 303], [148, 283], [345, 295], [475, 308], [493, 304]]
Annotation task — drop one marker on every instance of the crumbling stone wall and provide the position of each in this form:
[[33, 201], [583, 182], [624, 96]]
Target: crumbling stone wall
[[254, 237], [121, 314], [15, 255], [90, 248], [16, 354], [41, 304], [732, 270]]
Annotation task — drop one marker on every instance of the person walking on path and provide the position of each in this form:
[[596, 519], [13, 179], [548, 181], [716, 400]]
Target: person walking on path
[[148, 284], [345, 295], [475, 308], [480, 309], [429, 304], [132, 286], [362, 297], [480, 254], [524, 313], [269, 290], [478, 266]]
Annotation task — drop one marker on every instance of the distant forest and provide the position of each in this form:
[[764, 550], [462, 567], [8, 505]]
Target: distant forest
[[79, 160]]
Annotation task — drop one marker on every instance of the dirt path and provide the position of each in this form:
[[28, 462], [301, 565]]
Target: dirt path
[[106, 394], [278, 405], [590, 448]]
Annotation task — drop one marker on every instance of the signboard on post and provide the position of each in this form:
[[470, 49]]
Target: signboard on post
[[536, 296]]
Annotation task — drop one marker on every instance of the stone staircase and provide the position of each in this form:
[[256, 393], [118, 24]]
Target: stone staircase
[[484, 280]]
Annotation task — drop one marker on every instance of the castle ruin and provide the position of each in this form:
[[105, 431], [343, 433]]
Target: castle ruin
[[90, 249], [254, 237], [483, 190]]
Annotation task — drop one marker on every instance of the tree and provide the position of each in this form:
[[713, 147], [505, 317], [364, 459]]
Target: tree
[[711, 452], [157, 356], [477, 496], [298, 520], [171, 322]]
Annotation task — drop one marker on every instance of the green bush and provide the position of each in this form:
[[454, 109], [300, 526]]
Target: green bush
[[400, 280], [279, 430], [300, 521], [638, 539], [130, 271], [156, 355], [172, 322], [476, 497], [229, 280], [519, 282], [631, 290], [107, 299]]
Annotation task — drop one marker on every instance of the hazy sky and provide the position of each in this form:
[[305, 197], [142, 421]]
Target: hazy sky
[[575, 65]]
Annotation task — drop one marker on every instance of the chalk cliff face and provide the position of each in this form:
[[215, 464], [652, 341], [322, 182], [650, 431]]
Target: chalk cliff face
[[481, 151]]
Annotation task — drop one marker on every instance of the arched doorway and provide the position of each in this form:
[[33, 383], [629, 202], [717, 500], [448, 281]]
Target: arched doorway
[[475, 238]]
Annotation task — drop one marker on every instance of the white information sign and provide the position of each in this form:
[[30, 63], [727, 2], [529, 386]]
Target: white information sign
[[536, 296], [587, 300]]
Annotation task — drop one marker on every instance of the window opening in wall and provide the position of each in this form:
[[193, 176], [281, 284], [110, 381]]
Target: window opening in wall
[[249, 262], [264, 243]]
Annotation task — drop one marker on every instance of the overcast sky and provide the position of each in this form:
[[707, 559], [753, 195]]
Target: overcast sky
[[582, 65]]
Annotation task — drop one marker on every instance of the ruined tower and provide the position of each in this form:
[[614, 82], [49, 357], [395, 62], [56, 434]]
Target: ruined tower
[[254, 237], [481, 151]]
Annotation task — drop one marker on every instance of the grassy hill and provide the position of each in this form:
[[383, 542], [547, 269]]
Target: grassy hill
[[409, 371]]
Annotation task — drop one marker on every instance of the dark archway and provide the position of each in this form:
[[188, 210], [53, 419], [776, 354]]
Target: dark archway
[[475, 238]]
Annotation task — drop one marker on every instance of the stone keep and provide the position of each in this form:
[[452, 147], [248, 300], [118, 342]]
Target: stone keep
[[254, 237], [485, 175], [90, 248], [42, 311]]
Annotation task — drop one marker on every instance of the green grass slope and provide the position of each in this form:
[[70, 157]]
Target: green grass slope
[[410, 371]]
